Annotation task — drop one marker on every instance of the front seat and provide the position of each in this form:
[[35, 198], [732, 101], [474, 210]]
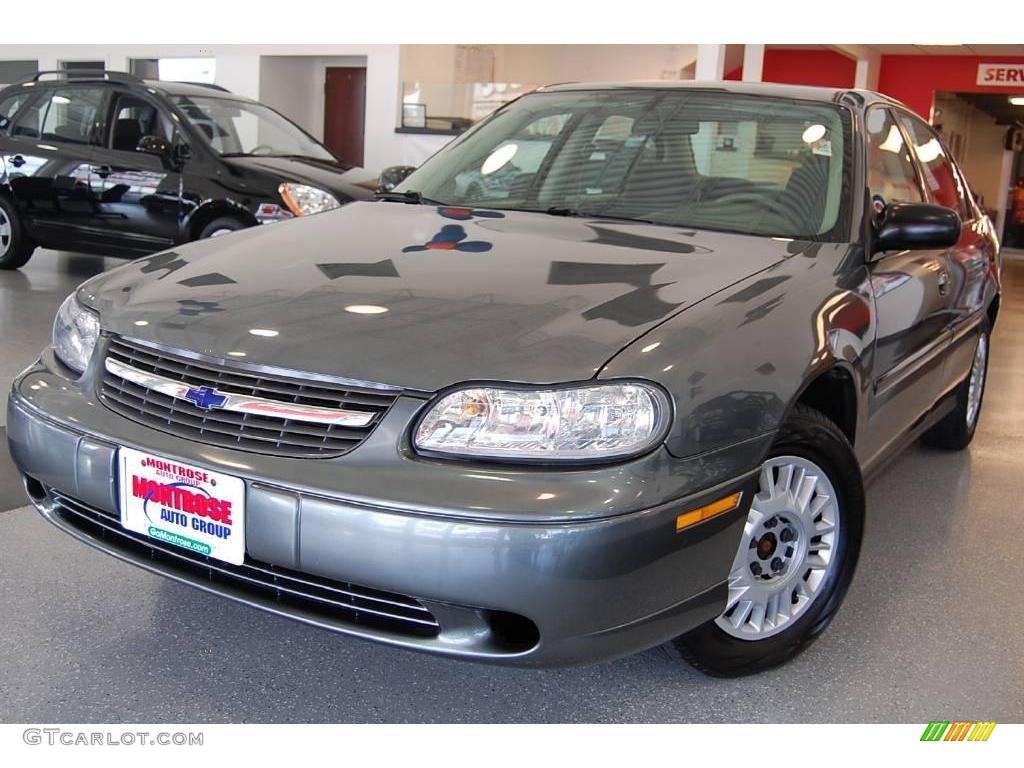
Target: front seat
[[127, 133], [803, 199]]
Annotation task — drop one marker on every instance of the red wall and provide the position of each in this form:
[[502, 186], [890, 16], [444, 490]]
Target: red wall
[[915, 79], [805, 66]]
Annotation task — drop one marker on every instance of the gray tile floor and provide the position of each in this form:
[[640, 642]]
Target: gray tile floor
[[931, 627]]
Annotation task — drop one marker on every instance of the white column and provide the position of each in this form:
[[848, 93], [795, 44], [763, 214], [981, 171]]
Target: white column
[[868, 63], [866, 74], [48, 62], [117, 63], [753, 63], [710, 62]]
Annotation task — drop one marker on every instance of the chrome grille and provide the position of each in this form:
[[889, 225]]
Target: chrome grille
[[243, 431], [338, 602]]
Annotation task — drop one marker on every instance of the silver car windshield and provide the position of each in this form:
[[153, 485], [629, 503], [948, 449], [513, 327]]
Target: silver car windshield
[[235, 127], [686, 158]]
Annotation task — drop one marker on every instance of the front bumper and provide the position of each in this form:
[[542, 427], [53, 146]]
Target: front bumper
[[502, 580]]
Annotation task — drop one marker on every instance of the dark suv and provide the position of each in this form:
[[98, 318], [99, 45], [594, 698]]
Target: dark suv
[[113, 164]]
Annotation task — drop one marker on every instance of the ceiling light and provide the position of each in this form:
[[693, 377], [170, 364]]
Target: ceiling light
[[236, 354], [60, 100], [498, 158], [1017, 101], [262, 332], [366, 309], [813, 133], [928, 151], [141, 323], [893, 141]]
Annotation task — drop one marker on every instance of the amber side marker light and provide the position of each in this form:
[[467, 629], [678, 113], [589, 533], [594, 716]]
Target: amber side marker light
[[715, 508]]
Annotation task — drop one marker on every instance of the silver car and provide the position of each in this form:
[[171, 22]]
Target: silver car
[[626, 394]]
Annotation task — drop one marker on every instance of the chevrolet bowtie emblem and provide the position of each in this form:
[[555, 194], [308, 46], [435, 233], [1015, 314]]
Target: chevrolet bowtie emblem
[[205, 397]]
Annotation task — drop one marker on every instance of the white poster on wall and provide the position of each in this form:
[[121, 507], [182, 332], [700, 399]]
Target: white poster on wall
[[1001, 75]]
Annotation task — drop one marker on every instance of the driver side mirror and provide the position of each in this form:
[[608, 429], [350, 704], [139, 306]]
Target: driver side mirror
[[154, 145], [392, 176], [176, 154], [916, 226]]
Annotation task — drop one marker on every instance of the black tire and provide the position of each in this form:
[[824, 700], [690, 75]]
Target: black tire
[[955, 431], [15, 248], [809, 435], [222, 225]]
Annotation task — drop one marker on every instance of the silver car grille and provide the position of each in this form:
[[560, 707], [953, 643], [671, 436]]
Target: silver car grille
[[260, 412]]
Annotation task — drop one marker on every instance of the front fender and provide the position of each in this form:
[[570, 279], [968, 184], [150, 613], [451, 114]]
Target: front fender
[[736, 362]]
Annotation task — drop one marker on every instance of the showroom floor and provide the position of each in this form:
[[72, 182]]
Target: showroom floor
[[930, 629]]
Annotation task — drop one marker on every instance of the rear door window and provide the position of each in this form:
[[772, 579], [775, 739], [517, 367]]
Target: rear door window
[[29, 122], [73, 116], [9, 107]]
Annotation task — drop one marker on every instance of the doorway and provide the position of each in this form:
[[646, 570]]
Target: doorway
[[345, 112], [975, 127]]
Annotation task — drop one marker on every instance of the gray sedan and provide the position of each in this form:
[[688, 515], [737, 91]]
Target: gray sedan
[[624, 393]]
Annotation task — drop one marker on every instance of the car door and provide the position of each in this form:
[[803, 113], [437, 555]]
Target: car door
[[139, 204], [968, 261], [48, 152], [911, 295]]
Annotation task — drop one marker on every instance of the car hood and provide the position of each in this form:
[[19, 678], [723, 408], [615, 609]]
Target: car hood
[[468, 294], [350, 182]]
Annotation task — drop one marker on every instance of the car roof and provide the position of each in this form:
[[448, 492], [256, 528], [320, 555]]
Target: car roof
[[854, 96], [164, 87], [174, 88]]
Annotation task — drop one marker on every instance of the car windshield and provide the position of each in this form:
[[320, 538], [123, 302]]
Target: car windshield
[[235, 127], [689, 158]]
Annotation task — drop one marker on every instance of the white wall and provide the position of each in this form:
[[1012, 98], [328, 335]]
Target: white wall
[[287, 84]]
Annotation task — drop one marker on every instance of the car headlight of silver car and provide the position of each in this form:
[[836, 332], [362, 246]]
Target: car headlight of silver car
[[75, 333], [591, 422], [304, 200]]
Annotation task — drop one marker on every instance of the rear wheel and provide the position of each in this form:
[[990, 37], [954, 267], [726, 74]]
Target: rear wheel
[[15, 247], [956, 430], [796, 557]]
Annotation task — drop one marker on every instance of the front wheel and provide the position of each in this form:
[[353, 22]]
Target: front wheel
[[796, 557], [15, 246], [222, 226]]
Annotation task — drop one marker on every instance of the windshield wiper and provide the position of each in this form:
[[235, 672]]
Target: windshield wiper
[[411, 196], [556, 210]]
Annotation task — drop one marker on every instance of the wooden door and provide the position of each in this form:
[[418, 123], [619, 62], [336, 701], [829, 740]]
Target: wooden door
[[345, 112]]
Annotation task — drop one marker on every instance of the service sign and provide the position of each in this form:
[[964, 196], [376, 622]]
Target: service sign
[[186, 506], [1001, 75]]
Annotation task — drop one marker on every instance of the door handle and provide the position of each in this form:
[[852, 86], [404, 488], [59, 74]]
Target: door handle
[[17, 161], [101, 170], [943, 283]]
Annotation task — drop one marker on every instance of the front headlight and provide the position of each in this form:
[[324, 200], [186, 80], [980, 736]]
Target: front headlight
[[75, 332], [594, 422], [303, 200]]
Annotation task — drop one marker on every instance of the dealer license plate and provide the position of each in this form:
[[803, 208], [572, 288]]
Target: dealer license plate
[[183, 505]]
